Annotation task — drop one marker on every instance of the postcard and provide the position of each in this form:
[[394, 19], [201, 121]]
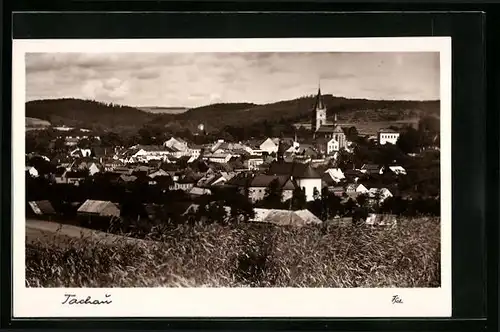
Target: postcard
[[232, 177]]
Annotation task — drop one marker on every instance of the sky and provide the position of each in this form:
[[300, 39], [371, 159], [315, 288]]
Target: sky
[[197, 79]]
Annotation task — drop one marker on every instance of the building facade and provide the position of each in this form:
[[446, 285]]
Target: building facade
[[387, 136]]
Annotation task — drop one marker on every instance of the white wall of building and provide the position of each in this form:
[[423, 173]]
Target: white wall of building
[[309, 185], [388, 138]]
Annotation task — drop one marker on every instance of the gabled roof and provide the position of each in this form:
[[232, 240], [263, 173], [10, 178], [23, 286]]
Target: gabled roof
[[335, 129], [42, 207], [285, 217], [102, 208]]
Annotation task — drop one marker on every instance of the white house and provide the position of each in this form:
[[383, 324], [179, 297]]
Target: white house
[[219, 158], [32, 171], [254, 162], [270, 145], [151, 152], [80, 153], [336, 174], [310, 181], [176, 143], [381, 193], [332, 146], [93, 169], [356, 189], [398, 170], [387, 136]]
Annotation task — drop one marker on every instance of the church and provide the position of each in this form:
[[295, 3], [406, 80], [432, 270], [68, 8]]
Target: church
[[323, 130]]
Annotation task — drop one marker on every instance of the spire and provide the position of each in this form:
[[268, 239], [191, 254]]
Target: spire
[[335, 118], [319, 100]]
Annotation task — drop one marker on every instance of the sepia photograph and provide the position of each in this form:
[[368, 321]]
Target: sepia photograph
[[233, 167]]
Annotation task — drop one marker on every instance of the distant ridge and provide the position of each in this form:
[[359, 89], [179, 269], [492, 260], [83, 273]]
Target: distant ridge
[[87, 113], [163, 110]]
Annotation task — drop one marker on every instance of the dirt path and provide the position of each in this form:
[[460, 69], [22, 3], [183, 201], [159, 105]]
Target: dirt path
[[38, 229]]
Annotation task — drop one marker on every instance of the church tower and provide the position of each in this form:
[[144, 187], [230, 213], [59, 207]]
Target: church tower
[[319, 113]]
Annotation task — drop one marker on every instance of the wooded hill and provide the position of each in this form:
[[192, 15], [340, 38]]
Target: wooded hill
[[98, 115]]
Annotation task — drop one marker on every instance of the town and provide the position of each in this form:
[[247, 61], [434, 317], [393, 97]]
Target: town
[[328, 173]]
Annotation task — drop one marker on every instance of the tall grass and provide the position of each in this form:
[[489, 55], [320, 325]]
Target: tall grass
[[246, 255]]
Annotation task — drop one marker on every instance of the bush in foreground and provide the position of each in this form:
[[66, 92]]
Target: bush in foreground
[[247, 255]]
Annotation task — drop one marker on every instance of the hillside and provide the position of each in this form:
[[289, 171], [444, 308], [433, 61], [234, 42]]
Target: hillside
[[299, 110], [34, 124], [86, 113], [75, 112]]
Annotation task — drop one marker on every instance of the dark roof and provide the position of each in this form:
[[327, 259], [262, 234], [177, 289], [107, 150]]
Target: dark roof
[[297, 170], [330, 129], [42, 207], [240, 180], [263, 180]]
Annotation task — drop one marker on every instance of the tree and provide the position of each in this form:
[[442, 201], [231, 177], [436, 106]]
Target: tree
[[298, 199], [84, 143], [409, 140], [273, 196], [111, 139], [362, 200], [331, 204], [352, 133]]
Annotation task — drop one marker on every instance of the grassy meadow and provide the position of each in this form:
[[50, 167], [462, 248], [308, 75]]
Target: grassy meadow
[[245, 255]]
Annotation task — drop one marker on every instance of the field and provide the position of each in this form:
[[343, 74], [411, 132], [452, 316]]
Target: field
[[246, 255]]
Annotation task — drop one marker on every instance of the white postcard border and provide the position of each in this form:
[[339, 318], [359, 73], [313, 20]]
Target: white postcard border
[[230, 302]]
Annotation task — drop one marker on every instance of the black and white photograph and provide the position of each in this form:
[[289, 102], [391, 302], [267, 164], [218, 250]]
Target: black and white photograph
[[246, 167]]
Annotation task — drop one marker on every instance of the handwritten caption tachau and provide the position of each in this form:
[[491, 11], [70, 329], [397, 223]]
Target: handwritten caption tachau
[[72, 299]]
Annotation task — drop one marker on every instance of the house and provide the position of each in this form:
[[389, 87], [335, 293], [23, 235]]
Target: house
[[177, 143], [253, 162], [197, 191], [336, 174], [260, 183], [381, 194], [184, 184], [32, 171], [159, 172], [41, 209], [98, 213], [218, 158], [270, 145], [145, 153], [95, 168], [285, 217], [337, 190], [240, 182], [356, 189], [387, 136], [398, 170], [371, 169], [304, 175], [72, 177], [81, 153]]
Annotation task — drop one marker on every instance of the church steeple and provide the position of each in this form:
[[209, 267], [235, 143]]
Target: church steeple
[[319, 105], [319, 112]]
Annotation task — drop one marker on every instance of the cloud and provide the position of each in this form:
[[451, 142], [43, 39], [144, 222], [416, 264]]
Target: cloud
[[195, 79]]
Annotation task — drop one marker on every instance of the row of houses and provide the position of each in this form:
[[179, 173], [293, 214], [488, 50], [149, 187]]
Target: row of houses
[[92, 211]]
